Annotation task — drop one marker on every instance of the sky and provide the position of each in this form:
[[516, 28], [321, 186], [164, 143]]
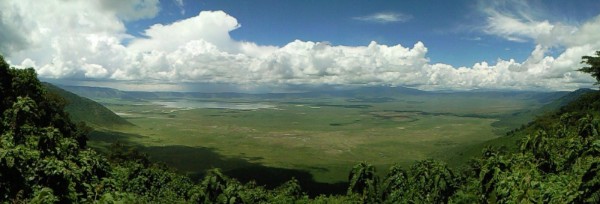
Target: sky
[[278, 46]]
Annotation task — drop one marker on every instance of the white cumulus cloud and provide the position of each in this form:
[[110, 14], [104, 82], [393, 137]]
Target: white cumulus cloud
[[83, 40]]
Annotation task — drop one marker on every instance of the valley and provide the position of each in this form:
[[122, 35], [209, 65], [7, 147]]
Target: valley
[[320, 134]]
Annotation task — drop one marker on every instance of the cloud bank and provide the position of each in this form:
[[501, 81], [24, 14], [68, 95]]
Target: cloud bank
[[84, 40]]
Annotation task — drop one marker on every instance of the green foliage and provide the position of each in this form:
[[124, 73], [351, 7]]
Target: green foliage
[[42, 154], [554, 165], [593, 67], [590, 185], [288, 192], [364, 182], [5, 80], [44, 195], [394, 185], [427, 181], [431, 181]]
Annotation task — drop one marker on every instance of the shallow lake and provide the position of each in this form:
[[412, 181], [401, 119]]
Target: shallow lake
[[189, 104]]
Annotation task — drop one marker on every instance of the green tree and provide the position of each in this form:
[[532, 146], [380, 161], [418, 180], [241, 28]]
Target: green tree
[[364, 182], [395, 185], [590, 185], [594, 66], [214, 185], [430, 181], [5, 80], [288, 192], [42, 154]]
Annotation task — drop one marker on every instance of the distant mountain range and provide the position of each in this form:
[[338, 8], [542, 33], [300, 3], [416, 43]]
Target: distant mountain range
[[363, 92]]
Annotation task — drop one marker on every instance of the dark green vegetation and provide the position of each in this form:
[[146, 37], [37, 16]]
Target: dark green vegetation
[[44, 159], [593, 67], [85, 110]]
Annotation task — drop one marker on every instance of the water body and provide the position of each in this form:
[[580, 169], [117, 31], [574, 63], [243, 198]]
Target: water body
[[189, 104]]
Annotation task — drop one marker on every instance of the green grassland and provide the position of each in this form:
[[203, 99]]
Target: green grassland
[[323, 136]]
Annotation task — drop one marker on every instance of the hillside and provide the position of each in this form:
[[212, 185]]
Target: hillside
[[524, 123], [81, 109]]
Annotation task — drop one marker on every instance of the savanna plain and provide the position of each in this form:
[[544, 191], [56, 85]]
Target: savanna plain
[[322, 136]]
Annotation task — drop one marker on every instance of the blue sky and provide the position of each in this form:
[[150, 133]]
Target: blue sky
[[449, 45], [448, 28], [439, 24]]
